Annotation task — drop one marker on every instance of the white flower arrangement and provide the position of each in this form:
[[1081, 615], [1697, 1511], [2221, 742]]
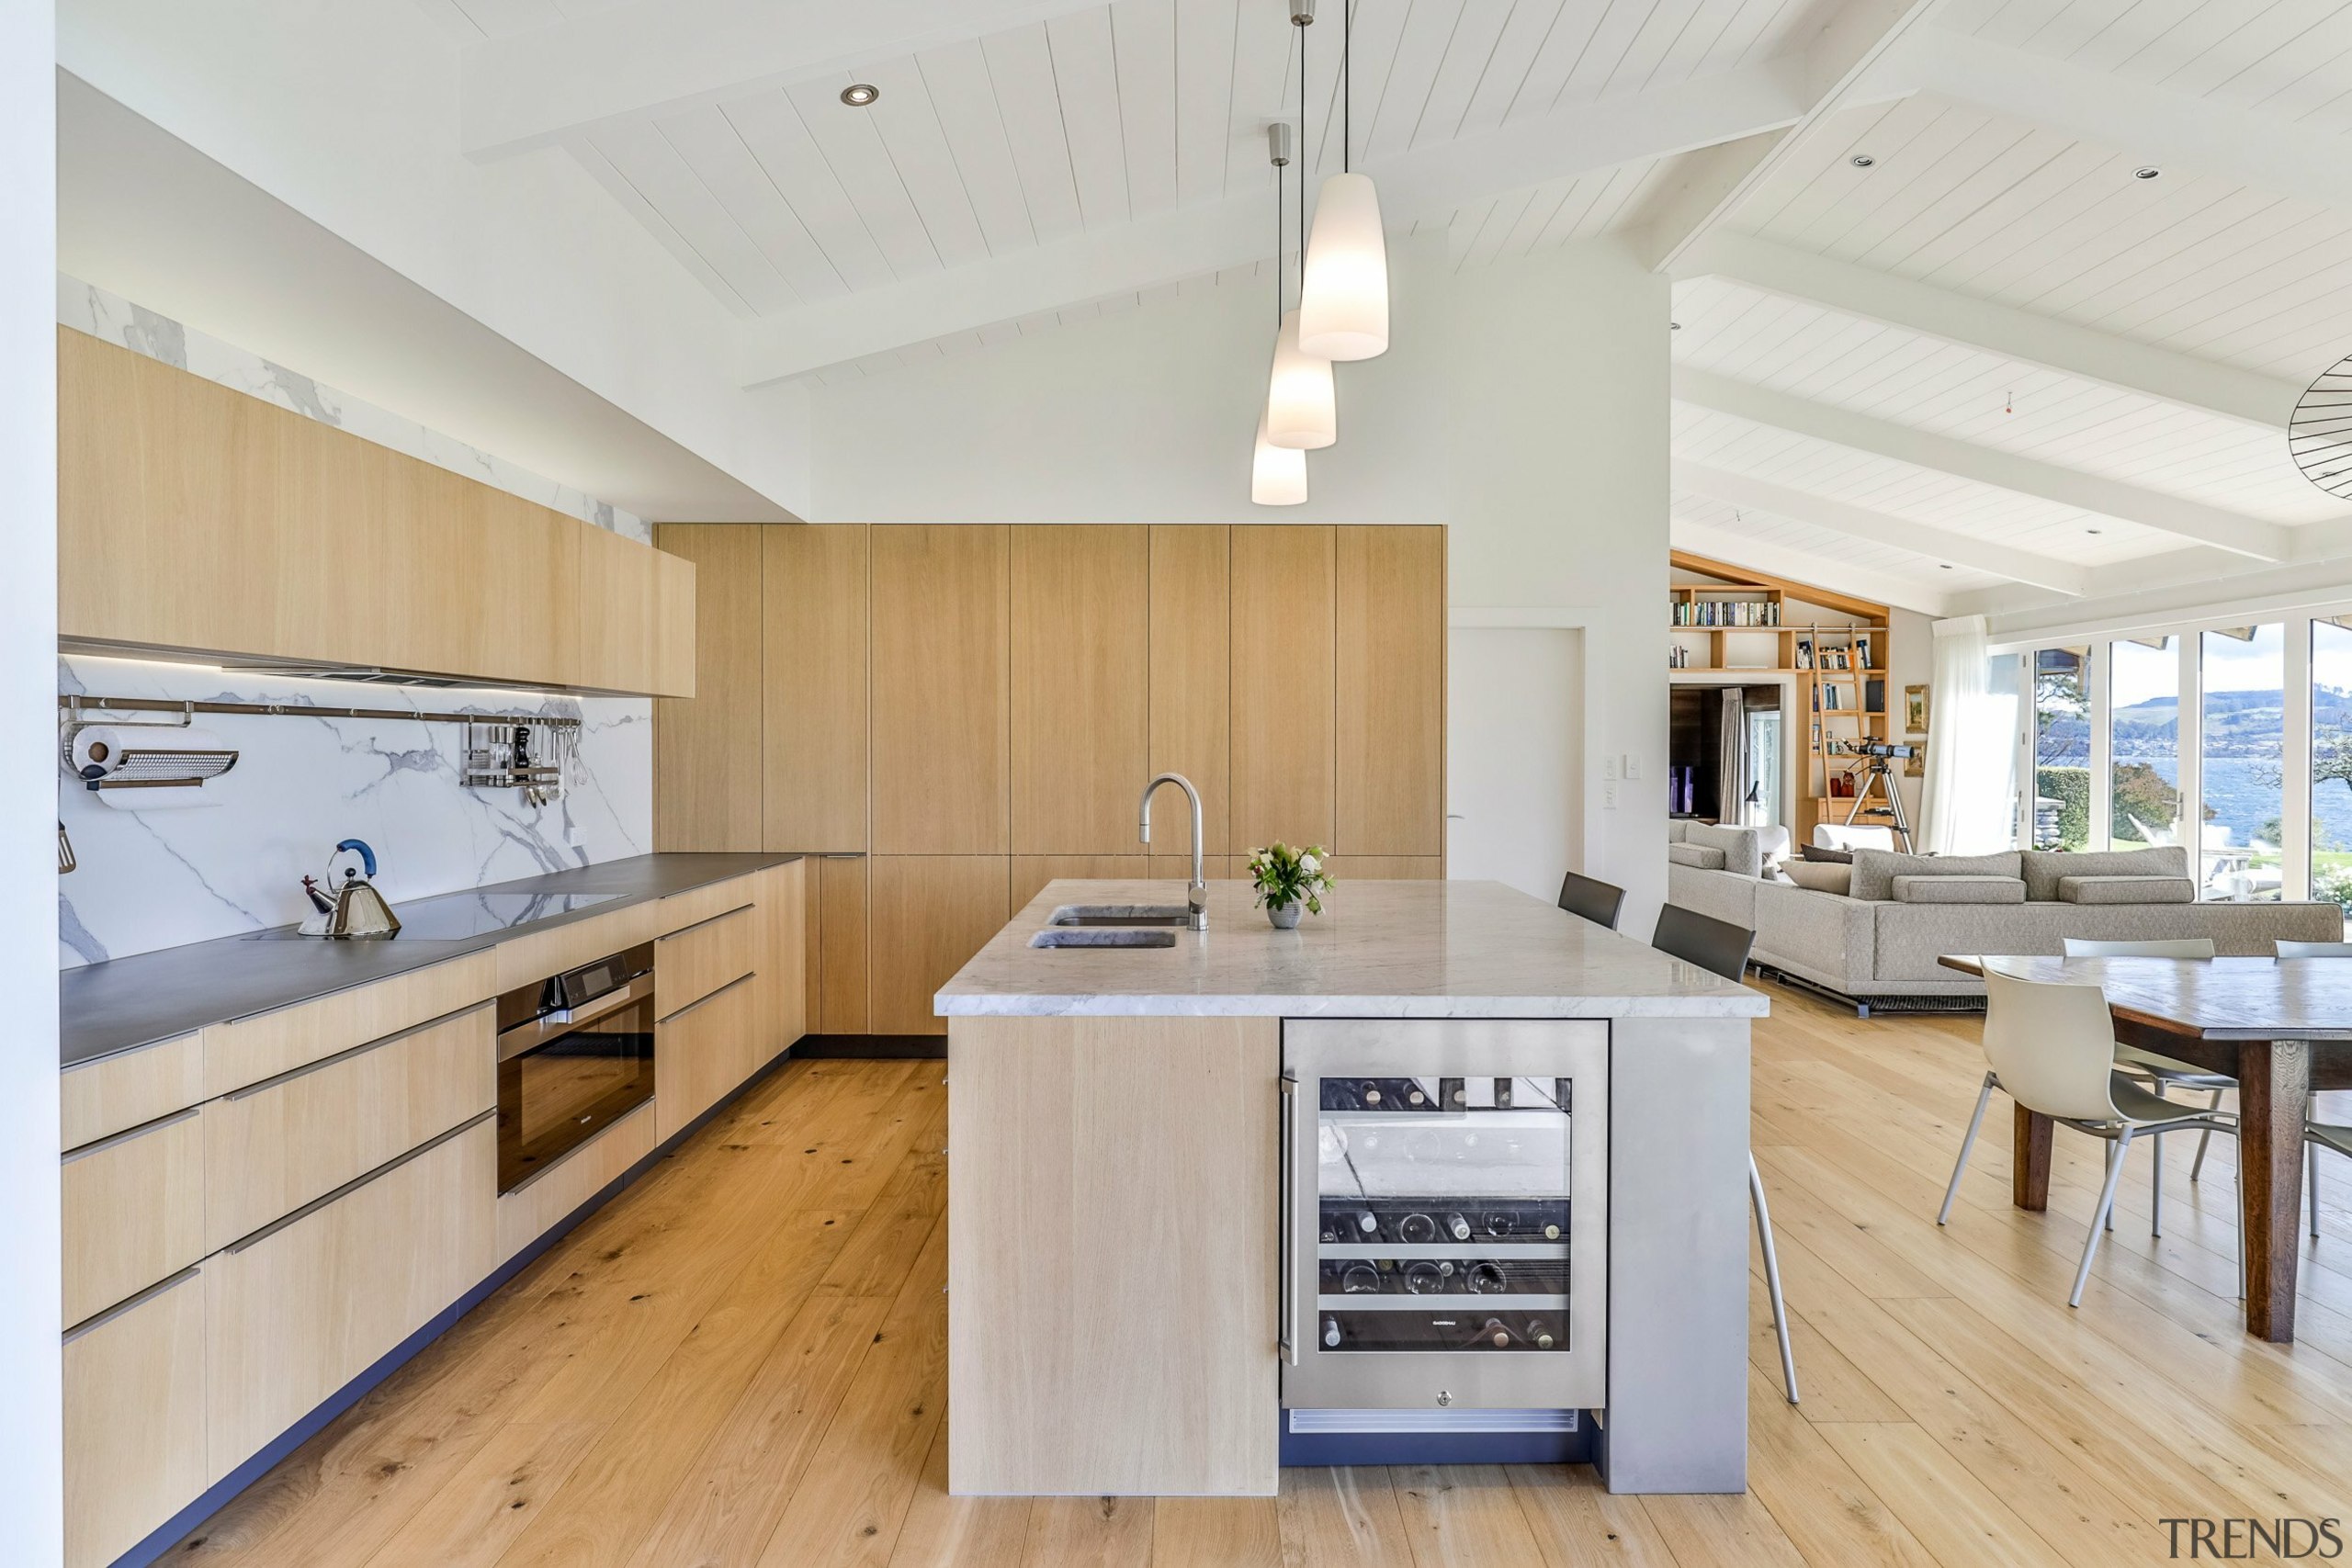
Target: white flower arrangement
[[1285, 876]]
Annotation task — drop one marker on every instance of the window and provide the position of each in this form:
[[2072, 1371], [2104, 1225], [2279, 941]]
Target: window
[[2061, 749], [2242, 740], [2331, 862], [2143, 750]]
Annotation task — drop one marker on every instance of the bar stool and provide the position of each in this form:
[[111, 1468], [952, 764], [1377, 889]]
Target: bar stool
[[1591, 899]]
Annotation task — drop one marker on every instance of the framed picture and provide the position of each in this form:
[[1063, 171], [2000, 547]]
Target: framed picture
[[1915, 710], [1915, 765]]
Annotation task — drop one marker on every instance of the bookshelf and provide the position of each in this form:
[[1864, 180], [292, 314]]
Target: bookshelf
[[1834, 647]]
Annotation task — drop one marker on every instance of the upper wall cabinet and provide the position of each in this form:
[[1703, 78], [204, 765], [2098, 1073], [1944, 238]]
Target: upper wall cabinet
[[706, 768], [1081, 611], [940, 749], [1391, 691], [193, 519]]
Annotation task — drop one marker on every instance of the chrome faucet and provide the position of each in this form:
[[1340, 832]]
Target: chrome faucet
[[1196, 897]]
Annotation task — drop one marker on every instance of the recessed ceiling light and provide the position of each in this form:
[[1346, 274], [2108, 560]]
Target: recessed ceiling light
[[1943, 566], [2146, 171], [1862, 160], [857, 95], [1674, 326], [2091, 530]]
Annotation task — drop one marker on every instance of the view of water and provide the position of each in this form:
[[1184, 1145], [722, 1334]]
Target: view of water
[[2236, 790]]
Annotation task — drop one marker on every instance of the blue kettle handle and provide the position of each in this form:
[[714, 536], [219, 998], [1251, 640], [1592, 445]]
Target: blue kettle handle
[[367, 855]]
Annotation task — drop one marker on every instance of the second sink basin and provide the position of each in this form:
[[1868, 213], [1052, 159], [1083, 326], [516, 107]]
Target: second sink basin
[[1062, 936], [1122, 915]]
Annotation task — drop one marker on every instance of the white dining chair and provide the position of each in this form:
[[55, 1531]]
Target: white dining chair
[[2314, 949], [2051, 1047], [2319, 1135], [2162, 1072]]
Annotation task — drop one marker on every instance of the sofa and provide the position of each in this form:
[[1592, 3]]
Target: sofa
[[1877, 942]]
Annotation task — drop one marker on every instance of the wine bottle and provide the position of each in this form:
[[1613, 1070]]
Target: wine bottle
[[1419, 1229], [1539, 1332], [1331, 1334], [1486, 1279], [1423, 1278], [1457, 1227], [1359, 1278]]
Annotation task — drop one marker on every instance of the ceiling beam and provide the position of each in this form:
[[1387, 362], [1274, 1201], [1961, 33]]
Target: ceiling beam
[[1879, 527], [1984, 464], [1837, 67], [1427, 182], [2172, 131], [534, 88], [2181, 380], [1803, 566]]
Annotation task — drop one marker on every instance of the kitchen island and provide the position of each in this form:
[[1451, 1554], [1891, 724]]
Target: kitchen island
[[1159, 1156]]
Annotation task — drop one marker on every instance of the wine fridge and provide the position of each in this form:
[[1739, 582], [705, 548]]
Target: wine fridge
[[1445, 1214]]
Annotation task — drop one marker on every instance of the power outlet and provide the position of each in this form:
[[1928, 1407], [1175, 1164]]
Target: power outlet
[[1608, 766], [1608, 795]]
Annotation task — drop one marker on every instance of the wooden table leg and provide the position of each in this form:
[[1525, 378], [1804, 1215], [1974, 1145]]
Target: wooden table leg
[[2274, 1095], [2029, 1167]]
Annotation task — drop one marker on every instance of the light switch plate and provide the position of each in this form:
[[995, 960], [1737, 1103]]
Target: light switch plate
[[1633, 765], [1608, 766]]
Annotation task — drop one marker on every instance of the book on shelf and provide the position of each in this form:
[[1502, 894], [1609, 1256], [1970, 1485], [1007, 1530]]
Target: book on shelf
[[1804, 653], [1863, 650]]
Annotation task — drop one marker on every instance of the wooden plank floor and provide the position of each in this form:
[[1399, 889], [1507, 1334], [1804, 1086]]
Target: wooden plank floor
[[741, 1361]]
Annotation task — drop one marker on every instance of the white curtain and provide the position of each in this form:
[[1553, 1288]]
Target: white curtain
[[1730, 774], [1971, 746]]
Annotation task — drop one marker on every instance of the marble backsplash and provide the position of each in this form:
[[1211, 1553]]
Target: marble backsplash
[[158, 878]]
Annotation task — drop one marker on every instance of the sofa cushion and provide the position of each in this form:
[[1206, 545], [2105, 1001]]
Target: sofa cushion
[[1675, 828], [1959, 890], [2126, 890], [1705, 857], [2044, 867], [1875, 869], [1822, 855], [1822, 876], [1742, 847]]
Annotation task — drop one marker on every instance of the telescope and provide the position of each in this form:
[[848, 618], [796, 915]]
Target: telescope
[[1881, 749]]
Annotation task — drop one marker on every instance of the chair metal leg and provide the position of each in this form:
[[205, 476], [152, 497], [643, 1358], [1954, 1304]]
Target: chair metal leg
[[2100, 1220], [1772, 1277], [2114, 1161], [2156, 1188], [2312, 1151], [2204, 1140], [1966, 1144]]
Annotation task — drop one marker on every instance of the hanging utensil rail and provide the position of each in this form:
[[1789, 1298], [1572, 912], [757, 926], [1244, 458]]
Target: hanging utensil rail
[[76, 703]]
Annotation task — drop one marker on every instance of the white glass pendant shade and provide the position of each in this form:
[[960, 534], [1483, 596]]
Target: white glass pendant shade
[[1302, 410], [1343, 311], [1277, 474]]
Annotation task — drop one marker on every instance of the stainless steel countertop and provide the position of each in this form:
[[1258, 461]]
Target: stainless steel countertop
[[128, 1002]]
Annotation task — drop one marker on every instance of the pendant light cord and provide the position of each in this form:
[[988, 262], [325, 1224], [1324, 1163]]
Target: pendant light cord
[[1347, 83], [1302, 164]]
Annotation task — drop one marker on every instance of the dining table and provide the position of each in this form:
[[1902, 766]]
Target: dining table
[[2282, 1028]]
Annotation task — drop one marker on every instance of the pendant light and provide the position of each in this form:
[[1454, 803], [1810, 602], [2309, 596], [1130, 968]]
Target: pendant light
[[1277, 474], [1301, 408], [1343, 285]]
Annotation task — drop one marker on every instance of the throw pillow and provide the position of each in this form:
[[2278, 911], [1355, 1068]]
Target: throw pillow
[[1959, 890], [1824, 856], [1699, 856], [2043, 868], [1821, 876]]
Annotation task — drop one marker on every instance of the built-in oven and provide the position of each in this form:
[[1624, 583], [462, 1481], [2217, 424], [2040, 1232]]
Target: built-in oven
[[1445, 1214], [575, 1054]]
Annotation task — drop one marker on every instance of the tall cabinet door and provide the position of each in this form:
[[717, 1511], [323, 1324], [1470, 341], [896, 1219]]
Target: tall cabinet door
[[815, 591], [1283, 619], [1191, 681], [706, 747], [1391, 691], [940, 753], [931, 914], [1080, 616]]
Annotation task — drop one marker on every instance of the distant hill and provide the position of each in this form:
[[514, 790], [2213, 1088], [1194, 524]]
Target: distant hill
[[2237, 724]]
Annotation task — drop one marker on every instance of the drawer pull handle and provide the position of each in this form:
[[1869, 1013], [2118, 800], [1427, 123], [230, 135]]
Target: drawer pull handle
[[98, 1320], [290, 1074], [712, 920], [701, 1001], [390, 1166], [111, 1139]]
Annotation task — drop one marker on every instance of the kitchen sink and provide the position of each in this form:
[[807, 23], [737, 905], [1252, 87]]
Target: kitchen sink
[[1128, 936], [1122, 915]]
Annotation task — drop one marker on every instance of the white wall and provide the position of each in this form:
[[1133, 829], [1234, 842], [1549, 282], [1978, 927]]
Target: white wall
[[1525, 404], [31, 1444]]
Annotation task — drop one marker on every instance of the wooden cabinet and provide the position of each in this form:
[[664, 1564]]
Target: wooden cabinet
[[940, 725], [783, 963], [702, 1050], [930, 914], [134, 1421], [193, 519], [706, 747], [133, 1211], [296, 1311], [248, 1050], [1284, 628], [1192, 680], [1390, 690], [1031, 872], [1081, 687], [815, 609], [114, 1093], [838, 1001], [279, 1144], [690, 964]]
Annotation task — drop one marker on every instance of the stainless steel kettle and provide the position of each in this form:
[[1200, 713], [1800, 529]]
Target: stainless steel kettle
[[353, 908]]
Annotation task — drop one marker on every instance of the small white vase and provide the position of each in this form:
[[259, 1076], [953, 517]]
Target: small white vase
[[1285, 915]]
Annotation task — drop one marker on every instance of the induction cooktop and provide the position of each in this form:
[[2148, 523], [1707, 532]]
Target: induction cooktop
[[454, 916]]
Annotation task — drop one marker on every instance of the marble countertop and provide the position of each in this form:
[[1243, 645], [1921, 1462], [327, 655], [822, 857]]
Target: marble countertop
[[1379, 950], [128, 1002]]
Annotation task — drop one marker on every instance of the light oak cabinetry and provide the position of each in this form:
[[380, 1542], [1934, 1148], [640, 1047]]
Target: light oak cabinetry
[[1285, 612], [816, 604], [782, 962], [133, 1211], [1081, 687], [196, 520], [248, 1050], [135, 1444], [703, 1049], [1390, 691], [940, 755], [689, 964], [1192, 680], [838, 1004], [707, 777], [930, 913], [118, 1092]]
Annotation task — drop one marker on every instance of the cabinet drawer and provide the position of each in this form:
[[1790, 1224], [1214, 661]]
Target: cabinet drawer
[[249, 1050], [133, 1211], [702, 1052], [542, 954], [278, 1145], [294, 1313], [690, 964], [134, 1421], [99, 1098], [692, 908]]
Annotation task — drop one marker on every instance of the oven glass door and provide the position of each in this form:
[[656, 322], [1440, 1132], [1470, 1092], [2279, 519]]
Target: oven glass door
[[557, 1096]]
